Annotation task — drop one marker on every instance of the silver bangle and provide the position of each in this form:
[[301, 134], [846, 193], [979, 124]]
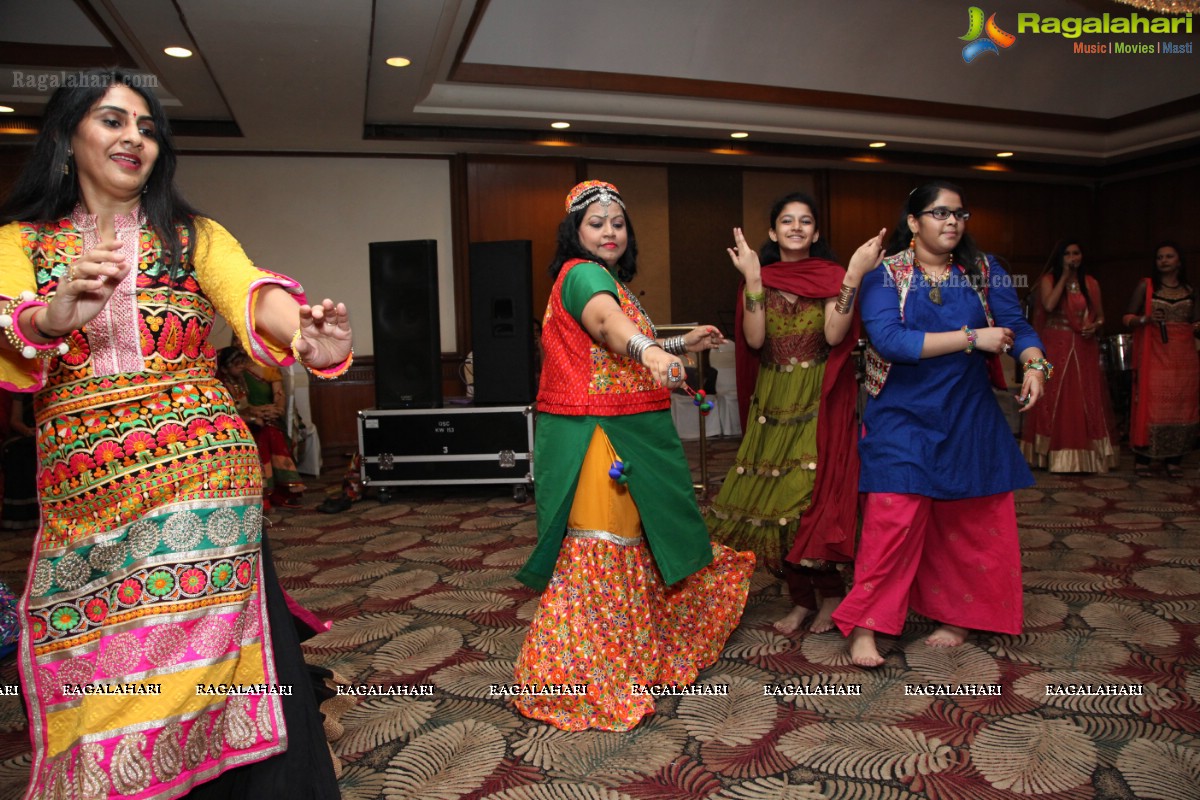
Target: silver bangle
[[637, 346], [676, 345]]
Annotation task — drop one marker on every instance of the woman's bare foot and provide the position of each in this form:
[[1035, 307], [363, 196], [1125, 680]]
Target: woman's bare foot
[[862, 648], [823, 622], [791, 623], [947, 636]]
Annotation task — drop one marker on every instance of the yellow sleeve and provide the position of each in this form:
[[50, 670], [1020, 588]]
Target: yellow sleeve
[[232, 282], [17, 373]]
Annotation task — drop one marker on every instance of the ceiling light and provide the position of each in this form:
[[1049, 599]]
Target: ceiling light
[[560, 125], [1005, 154], [6, 109], [178, 52], [739, 135], [398, 61], [877, 144]]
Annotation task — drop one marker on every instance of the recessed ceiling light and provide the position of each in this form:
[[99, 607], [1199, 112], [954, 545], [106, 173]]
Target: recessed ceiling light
[[1005, 154], [398, 61], [6, 110], [877, 144], [560, 125], [739, 135], [178, 52]]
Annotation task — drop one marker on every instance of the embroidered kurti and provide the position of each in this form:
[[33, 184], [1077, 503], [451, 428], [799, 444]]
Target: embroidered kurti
[[771, 483], [936, 429], [146, 574]]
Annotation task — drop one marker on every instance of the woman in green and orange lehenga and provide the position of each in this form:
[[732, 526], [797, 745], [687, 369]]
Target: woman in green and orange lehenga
[[634, 594], [150, 576]]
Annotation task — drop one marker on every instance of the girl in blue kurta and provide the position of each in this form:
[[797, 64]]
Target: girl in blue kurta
[[939, 463]]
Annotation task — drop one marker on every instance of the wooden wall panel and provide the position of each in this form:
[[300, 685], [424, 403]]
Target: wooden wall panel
[[760, 190], [1017, 221], [1132, 216], [335, 405], [644, 190], [705, 203], [519, 199]]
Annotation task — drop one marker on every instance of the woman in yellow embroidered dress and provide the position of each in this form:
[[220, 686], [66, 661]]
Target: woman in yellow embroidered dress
[[634, 595], [149, 577]]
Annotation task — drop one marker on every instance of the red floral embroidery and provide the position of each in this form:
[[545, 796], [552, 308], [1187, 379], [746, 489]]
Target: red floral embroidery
[[96, 610], [192, 581], [107, 452], [170, 341], [139, 441], [77, 349], [200, 428], [81, 462], [193, 339], [129, 592], [171, 434], [147, 337]]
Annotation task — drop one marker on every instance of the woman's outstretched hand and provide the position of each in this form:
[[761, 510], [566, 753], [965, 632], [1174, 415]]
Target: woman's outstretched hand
[[704, 337], [866, 257], [87, 287], [325, 335], [744, 258]]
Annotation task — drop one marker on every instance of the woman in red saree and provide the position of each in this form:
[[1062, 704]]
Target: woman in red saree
[[1070, 430], [1163, 314]]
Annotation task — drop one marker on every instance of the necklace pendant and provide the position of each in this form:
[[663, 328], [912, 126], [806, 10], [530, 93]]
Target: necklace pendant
[[935, 294]]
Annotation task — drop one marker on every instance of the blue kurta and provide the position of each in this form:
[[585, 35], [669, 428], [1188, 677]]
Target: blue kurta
[[936, 429]]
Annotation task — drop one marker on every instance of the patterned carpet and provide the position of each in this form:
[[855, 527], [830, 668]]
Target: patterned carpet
[[422, 593]]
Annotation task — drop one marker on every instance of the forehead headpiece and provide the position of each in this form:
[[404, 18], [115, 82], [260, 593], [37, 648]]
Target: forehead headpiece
[[588, 192]]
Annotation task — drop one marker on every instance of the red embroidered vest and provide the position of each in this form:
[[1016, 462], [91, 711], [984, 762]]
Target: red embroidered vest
[[581, 377]]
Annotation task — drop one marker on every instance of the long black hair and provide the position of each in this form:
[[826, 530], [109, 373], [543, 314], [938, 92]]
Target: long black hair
[[1181, 276], [769, 252], [43, 193], [966, 254], [569, 248], [1054, 265]]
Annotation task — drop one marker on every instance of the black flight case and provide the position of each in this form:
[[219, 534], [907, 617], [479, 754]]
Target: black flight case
[[449, 445]]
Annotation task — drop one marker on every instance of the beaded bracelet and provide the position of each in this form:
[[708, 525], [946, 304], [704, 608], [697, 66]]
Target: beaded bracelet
[[676, 345], [972, 336], [9, 321], [1041, 365], [755, 300], [324, 373]]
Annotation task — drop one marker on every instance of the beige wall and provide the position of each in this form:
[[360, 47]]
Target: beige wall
[[312, 219]]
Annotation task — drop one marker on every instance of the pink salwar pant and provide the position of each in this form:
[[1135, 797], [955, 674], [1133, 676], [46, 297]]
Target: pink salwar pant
[[954, 561]]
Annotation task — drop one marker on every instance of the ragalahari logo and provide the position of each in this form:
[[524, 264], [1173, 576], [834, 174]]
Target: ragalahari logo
[[996, 38]]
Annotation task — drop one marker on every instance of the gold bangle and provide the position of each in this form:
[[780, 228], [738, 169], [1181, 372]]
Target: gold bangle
[[845, 301], [755, 300]]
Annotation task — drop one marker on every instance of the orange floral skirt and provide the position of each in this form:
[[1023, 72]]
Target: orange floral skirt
[[607, 626]]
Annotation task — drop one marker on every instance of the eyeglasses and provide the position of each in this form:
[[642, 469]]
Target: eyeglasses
[[941, 212]]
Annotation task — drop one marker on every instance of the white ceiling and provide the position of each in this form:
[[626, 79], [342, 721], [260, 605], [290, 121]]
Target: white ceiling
[[657, 79]]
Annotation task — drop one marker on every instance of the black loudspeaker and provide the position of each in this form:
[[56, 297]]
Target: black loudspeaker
[[502, 322], [407, 333]]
